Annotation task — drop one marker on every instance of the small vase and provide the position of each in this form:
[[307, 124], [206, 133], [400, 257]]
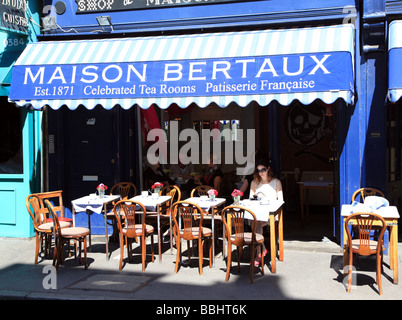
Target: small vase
[[212, 197], [236, 200], [101, 193], [156, 193]]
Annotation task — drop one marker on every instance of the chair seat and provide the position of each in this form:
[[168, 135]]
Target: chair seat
[[49, 225], [248, 237], [207, 232], [74, 232], [138, 229], [356, 244]]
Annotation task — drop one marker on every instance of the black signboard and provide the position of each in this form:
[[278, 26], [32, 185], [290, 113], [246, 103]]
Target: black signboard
[[13, 15], [91, 6]]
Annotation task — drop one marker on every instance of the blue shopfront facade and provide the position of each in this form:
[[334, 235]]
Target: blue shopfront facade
[[267, 52]]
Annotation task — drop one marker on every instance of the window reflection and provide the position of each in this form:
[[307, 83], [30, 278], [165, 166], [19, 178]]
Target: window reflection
[[11, 138]]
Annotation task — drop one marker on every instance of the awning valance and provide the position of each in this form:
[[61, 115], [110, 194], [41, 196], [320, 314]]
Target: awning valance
[[283, 65], [395, 60]]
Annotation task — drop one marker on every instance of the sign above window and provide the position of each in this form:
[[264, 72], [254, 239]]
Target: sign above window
[[13, 15], [92, 6]]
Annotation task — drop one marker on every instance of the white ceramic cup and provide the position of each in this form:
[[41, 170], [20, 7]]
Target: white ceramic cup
[[204, 198]]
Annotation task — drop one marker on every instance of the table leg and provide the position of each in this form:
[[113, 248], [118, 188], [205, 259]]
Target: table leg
[[106, 235], [213, 237], [280, 234], [345, 253], [159, 234], [273, 242], [394, 252], [89, 227]]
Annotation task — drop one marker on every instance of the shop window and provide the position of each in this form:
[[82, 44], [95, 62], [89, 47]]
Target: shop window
[[229, 129], [11, 161]]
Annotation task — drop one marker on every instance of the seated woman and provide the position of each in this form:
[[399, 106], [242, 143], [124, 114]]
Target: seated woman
[[264, 186]]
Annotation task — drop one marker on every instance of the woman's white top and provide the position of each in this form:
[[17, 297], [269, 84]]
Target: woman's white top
[[268, 191]]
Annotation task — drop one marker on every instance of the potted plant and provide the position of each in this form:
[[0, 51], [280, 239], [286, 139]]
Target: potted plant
[[101, 190], [212, 193], [236, 194]]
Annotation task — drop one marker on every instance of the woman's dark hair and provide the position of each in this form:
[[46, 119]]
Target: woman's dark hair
[[265, 163]]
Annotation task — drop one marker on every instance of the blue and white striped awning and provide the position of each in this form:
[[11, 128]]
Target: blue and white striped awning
[[262, 66], [395, 60]]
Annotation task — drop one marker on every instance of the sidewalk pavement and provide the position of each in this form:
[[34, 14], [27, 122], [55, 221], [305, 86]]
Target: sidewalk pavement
[[310, 270]]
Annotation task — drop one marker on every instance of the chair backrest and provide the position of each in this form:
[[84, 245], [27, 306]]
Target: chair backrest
[[33, 206], [125, 189], [236, 215], [130, 208], [56, 224], [56, 198], [184, 214], [364, 223], [200, 191], [173, 191], [364, 192]]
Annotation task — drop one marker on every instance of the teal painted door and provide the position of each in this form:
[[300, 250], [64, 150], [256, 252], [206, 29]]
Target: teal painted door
[[19, 167]]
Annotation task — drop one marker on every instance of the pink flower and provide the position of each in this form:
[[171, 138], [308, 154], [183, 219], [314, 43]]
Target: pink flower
[[101, 187], [237, 193], [212, 192]]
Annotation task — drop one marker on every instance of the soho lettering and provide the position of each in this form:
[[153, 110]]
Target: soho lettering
[[176, 71]]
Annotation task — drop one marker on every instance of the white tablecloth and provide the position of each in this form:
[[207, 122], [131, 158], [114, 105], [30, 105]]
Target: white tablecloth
[[151, 203], [260, 209], [206, 204], [94, 204]]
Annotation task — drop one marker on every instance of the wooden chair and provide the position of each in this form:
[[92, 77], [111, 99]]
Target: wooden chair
[[200, 191], [43, 229], [364, 192], [166, 216], [233, 219], [56, 198], [203, 191], [130, 230], [364, 245], [126, 190], [192, 229], [62, 235]]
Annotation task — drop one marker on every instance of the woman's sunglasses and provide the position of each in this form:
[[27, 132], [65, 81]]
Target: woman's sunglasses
[[261, 170]]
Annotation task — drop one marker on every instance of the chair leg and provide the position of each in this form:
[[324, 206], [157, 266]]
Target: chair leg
[[210, 253], [188, 252], [153, 248], [85, 252], [252, 264], [379, 264], [38, 244], [228, 261], [350, 271], [178, 248], [262, 260], [121, 250], [200, 254], [143, 251]]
